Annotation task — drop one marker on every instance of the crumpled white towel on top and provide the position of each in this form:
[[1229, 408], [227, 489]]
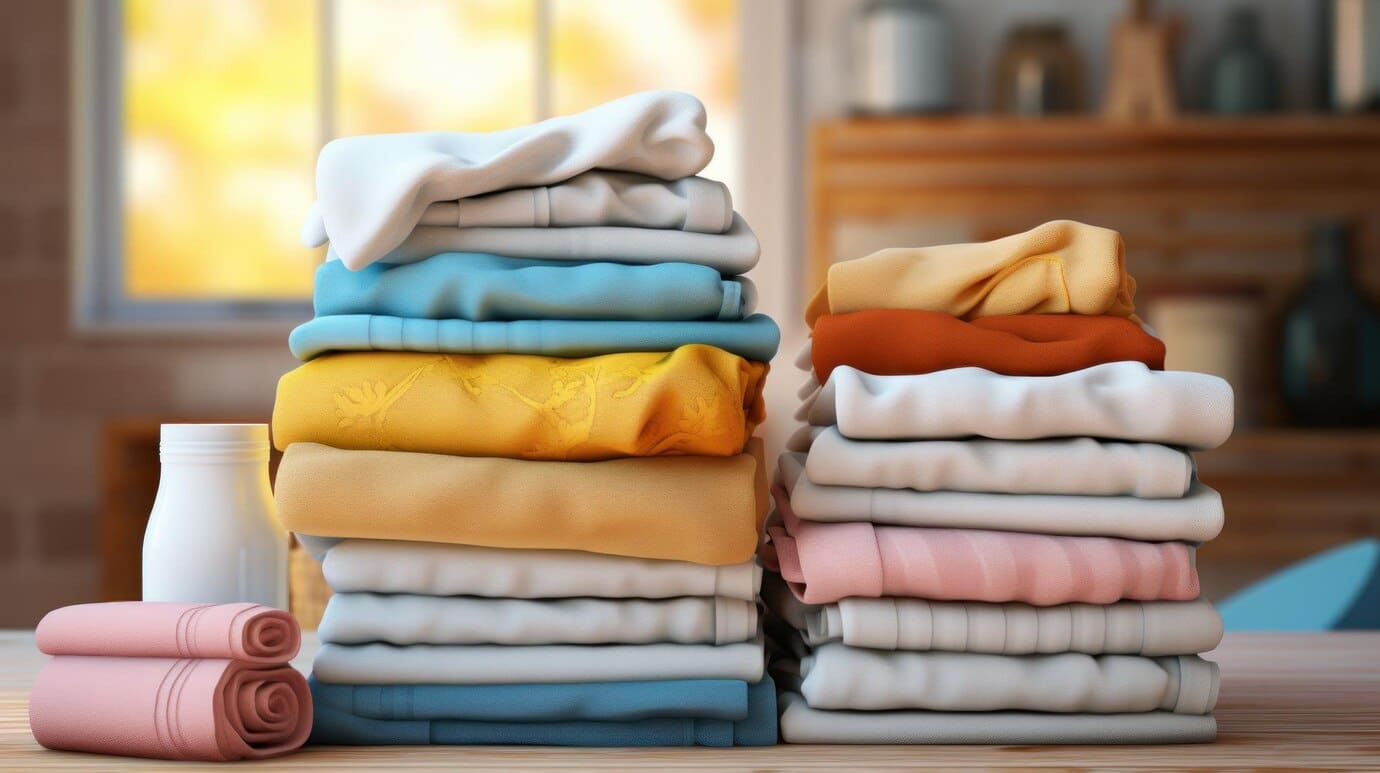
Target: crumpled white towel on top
[[373, 189], [1115, 401], [360, 618], [429, 568], [1196, 517]]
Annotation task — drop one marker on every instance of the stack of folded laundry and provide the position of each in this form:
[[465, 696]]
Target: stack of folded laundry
[[522, 438], [993, 508], [170, 681]]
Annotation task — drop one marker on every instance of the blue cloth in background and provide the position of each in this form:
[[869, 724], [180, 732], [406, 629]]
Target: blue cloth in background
[[481, 287], [602, 701], [755, 338], [332, 726], [1335, 590]]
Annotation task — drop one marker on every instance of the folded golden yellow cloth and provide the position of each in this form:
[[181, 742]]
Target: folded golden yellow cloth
[[696, 400], [1060, 267], [705, 509]]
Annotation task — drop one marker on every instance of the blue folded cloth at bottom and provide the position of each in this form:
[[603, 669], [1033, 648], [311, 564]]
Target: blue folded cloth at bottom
[[603, 701], [334, 726], [755, 338]]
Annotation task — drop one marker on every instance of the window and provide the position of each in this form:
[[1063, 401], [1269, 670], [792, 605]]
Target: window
[[201, 119]]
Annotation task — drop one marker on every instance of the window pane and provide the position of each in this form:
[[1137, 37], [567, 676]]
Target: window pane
[[220, 126], [432, 65], [604, 49]]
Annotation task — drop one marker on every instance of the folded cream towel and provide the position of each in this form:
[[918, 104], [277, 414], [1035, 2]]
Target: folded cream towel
[[373, 189], [735, 251], [1117, 401], [1150, 628], [836, 676], [498, 664], [802, 724], [1196, 517], [361, 618], [431, 568], [1057, 466]]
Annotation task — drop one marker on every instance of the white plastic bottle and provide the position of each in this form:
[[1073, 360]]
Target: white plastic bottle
[[214, 533]]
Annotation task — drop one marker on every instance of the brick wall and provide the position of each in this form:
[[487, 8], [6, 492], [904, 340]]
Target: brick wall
[[57, 389]]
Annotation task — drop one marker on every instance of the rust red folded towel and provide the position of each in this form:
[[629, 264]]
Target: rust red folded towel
[[905, 341], [135, 679]]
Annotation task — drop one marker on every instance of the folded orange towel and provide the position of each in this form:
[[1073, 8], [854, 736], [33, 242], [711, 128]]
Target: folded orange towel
[[902, 341], [1059, 267]]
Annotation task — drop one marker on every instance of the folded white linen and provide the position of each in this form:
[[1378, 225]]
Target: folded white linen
[[361, 618], [836, 676], [802, 724], [1115, 401], [499, 664], [734, 251], [372, 189], [1082, 465], [428, 568], [1196, 517], [1149, 628]]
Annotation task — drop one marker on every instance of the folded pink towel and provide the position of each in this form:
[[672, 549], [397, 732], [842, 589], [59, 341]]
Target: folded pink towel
[[824, 562], [170, 708], [252, 633]]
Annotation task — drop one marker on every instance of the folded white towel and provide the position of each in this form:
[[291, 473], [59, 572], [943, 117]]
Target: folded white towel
[[1150, 628], [428, 568], [498, 664], [361, 618], [1197, 517], [802, 724], [1116, 400], [1057, 466], [836, 676], [373, 189], [733, 252]]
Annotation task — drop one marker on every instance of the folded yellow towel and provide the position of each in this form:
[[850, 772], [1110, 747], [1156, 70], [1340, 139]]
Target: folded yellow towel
[[1060, 267], [709, 510], [697, 400]]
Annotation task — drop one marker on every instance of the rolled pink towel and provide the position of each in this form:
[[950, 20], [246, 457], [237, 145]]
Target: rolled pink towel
[[252, 633], [824, 562], [170, 708]]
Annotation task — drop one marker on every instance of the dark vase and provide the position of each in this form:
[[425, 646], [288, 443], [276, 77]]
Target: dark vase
[[1330, 368], [1242, 77]]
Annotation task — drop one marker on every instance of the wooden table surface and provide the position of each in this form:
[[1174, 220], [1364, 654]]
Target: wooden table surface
[[1288, 701]]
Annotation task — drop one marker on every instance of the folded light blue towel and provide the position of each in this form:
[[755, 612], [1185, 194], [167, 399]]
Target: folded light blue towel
[[331, 725], [481, 287], [600, 701], [755, 338]]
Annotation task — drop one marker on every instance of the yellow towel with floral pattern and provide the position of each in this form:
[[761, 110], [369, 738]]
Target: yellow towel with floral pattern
[[696, 400], [1060, 267]]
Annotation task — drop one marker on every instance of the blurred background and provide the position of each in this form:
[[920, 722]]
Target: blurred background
[[156, 161]]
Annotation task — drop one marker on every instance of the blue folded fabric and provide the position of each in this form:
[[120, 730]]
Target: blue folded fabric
[[603, 701], [481, 287], [755, 338], [333, 726]]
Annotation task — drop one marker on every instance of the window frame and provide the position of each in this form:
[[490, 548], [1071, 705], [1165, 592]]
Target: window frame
[[100, 306]]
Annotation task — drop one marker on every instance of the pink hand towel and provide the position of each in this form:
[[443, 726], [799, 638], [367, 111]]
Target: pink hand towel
[[824, 562], [252, 633], [170, 708]]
